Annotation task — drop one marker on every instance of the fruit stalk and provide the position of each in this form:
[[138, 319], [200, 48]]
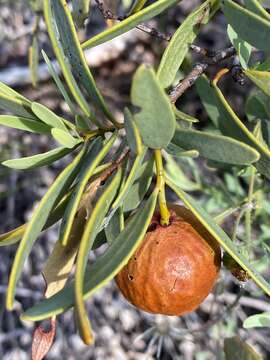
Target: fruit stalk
[[164, 212]]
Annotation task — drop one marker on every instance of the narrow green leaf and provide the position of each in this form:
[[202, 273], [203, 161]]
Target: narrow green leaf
[[132, 132], [65, 138], [129, 181], [205, 92], [140, 185], [231, 125], [91, 229], [35, 161], [83, 178], [178, 46], [258, 320], [155, 118], [95, 156], [113, 229], [236, 348], [249, 26], [38, 221], [33, 60], [131, 22], [47, 116], [257, 8], [16, 105], [64, 64], [58, 82], [180, 115], [216, 147], [177, 151], [15, 235], [74, 54], [105, 267], [261, 79], [22, 123], [5, 89], [220, 236]]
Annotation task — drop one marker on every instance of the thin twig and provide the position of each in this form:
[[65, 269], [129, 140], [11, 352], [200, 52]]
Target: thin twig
[[199, 69]]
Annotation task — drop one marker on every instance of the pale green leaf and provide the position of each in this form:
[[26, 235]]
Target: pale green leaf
[[258, 320], [35, 161], [47, 116], [65, 138], [22, 123]]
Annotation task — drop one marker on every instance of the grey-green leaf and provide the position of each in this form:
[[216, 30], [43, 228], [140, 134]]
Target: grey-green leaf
[[35, 161], [178, 46], [74, 54], [105, 267], [140, 185], [248, 25], [216, 147], [155, 118]]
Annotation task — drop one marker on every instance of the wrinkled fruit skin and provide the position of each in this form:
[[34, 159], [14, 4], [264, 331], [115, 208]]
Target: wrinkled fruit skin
[[175, 267]]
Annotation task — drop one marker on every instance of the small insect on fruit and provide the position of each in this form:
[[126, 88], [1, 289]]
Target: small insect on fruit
[[175, 267]]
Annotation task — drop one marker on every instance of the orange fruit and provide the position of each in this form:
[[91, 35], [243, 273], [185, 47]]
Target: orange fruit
[[174, 268]]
